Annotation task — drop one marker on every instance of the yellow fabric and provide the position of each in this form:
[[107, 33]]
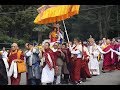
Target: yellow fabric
[[53, 34], [40, 47], [21, 65], [104, 46], [18, 54], [99, 57], [0, 53], [55, 14]]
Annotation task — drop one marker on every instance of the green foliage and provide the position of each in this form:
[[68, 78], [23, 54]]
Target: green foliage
[[19, 27], [21, 42]]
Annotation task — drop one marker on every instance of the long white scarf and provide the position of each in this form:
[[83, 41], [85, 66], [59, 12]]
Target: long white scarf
[[101, 51], [13, 70], [75, 52], [118, 53]]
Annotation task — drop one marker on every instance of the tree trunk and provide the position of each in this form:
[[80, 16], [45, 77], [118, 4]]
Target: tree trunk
[[106, 21], [100, 24], [39, 37]]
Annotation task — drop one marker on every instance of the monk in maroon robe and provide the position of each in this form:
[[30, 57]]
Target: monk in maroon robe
[[85, 73], [76, 58], [115, 57], [67, 62], [13, 55], [108, 62], [52, 55]]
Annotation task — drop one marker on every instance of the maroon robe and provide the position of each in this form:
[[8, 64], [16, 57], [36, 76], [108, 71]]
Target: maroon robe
[[80, 67], [76, 67], [51, 53], [85, 73], [67, 59], [117, 62], [75, 70], [67, 53], [108, 62], [57, 54], [12, 56]]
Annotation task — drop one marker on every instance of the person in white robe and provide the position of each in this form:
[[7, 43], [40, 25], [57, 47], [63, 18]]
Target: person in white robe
[[93, 60]]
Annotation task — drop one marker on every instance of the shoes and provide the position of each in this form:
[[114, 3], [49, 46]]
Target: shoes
[[83, 80], [78, 82], [104, 71]]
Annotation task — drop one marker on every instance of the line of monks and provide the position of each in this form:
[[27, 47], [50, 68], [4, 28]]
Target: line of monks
[[61, 63]]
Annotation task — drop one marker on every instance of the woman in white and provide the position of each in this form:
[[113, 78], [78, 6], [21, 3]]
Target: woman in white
[[93, 61]]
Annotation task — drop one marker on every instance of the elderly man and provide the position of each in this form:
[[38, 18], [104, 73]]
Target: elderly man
[[108, 61], [93, 61], [16, 55]]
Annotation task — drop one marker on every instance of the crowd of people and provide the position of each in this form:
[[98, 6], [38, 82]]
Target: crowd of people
[[56, 62], [71, 62]]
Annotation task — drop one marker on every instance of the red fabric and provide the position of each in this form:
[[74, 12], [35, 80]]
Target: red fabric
[[16, 81], [53, 39], [117, 63], [52, 55], [85, 73], [12, 56], [108, 61], [84, 56], [76, 67], [57, 54], [67, 53]]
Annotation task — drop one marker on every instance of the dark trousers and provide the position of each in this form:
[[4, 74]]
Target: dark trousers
[[33, 81], [66, 78]]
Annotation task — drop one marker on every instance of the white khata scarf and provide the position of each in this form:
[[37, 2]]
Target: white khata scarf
[[13, 70], [101, 51]]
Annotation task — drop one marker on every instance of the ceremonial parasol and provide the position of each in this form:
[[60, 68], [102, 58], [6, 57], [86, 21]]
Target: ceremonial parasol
[[55, 13]]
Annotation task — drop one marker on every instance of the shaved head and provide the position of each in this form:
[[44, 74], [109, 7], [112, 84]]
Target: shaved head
[[14, 46]]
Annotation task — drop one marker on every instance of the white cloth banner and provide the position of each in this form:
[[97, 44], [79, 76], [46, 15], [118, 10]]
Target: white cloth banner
[[75, 52], [101, 51], [118, 53], [13, 70], [47, 75]]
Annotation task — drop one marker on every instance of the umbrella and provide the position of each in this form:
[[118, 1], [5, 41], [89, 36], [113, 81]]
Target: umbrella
[[55, 13]]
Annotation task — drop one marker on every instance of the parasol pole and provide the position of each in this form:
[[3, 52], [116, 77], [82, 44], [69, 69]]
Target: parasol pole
[[66, 31]]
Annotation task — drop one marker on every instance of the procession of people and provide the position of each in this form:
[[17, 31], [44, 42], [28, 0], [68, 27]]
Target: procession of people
[[56, 62]]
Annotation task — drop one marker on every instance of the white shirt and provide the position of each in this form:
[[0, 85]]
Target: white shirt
[[54, 50], [77, 50], [4, 54]]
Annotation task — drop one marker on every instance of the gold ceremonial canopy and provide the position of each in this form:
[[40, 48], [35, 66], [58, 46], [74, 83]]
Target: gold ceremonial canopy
[[55, 13]]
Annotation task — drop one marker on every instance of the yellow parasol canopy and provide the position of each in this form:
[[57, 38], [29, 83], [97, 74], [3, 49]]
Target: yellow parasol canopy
[[55, 13]]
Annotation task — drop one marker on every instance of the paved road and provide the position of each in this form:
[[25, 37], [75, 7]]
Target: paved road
[[110, 78]]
